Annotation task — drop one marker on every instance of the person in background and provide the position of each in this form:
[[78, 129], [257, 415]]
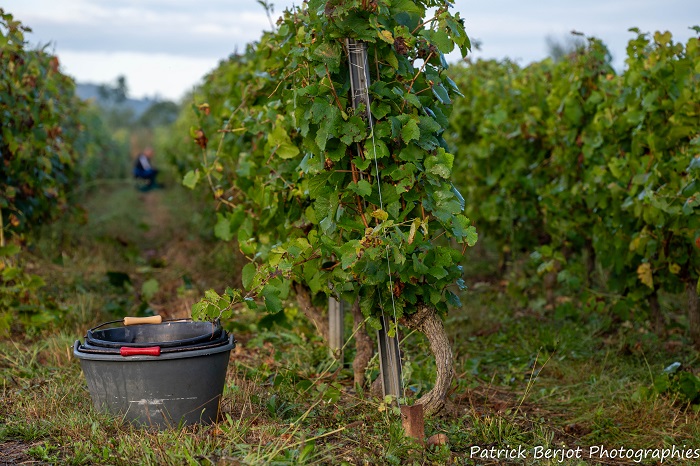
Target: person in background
[[144, 169]]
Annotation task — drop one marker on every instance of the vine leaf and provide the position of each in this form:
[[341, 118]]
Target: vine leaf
[[386, 36], [410, 131], [362, 187], [248, 275], [222, 230], [280, 141], [191, 178], [441, 94], [645, 275], [380, 214], [273, 303]]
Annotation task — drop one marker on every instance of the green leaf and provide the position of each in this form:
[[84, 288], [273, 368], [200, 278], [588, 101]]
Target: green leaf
[[10, 273], [440, 39], [453, 299], [472, 236], [362, 187], [391, 59], [198, 310], [248, 275], [222, 230], [429, 125], [440, 165], [329, 118], [273, 303], [441, 93], [317, 184], [354, 130], [458, 35], [438, 272], [374, 148], [10, 250], [348, 258], [280, 142], [573, 112], [380, 109], [410, 131], [327, 225], [329, 53], [191, 178], [413, 99], [463, 230], [453, 86], [374, 323]]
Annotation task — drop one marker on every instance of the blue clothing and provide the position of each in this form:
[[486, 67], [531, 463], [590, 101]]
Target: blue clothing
[[143, 169]]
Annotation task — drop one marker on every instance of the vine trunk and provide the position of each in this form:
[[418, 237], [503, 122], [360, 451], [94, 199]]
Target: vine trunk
[[427, 321]]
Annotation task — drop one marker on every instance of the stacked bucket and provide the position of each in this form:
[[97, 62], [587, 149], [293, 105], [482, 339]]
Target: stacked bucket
[[156, 373]]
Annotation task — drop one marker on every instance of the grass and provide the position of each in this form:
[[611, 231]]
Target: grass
[[527, 376]]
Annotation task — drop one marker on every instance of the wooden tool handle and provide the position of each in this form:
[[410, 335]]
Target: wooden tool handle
[[142, 320]]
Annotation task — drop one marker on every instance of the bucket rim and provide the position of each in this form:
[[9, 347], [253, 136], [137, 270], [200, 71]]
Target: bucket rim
[[164, 356], [215, 333]]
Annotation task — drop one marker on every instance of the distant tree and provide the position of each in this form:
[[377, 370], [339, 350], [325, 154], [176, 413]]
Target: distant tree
[[116, 93], [162, 113], [559, 49]]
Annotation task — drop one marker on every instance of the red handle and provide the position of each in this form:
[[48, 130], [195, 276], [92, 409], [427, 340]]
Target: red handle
[[147, 351]]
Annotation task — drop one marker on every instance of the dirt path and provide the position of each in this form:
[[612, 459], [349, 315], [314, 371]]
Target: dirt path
[[13, 452], [161, 246], [180, 259], [157, 217]]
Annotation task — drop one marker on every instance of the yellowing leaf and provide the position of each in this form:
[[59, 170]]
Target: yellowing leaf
[[634, 244], [424, 226], [386, 36], [645, 275], [412, 232], [674, 268], [379, 214]]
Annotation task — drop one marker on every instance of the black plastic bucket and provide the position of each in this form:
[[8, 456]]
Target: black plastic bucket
[[154, 386], [166, 334]]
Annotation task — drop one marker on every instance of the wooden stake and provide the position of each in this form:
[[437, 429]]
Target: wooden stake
[[412, 420]]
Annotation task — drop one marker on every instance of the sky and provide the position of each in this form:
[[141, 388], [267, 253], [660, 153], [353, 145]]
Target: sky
[[165, 47]]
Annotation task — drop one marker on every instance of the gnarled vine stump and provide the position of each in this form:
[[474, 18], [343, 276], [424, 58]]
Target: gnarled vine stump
[[426, 320]]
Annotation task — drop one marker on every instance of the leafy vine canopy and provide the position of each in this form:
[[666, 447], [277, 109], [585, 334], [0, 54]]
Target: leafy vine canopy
[[343, 200]]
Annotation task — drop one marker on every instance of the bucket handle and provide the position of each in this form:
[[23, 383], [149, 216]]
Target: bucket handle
[[142, 320], [137, 320], [146, 320], [147, 351]]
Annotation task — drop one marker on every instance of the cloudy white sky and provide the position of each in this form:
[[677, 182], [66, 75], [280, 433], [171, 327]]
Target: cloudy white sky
[[164, 47]]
